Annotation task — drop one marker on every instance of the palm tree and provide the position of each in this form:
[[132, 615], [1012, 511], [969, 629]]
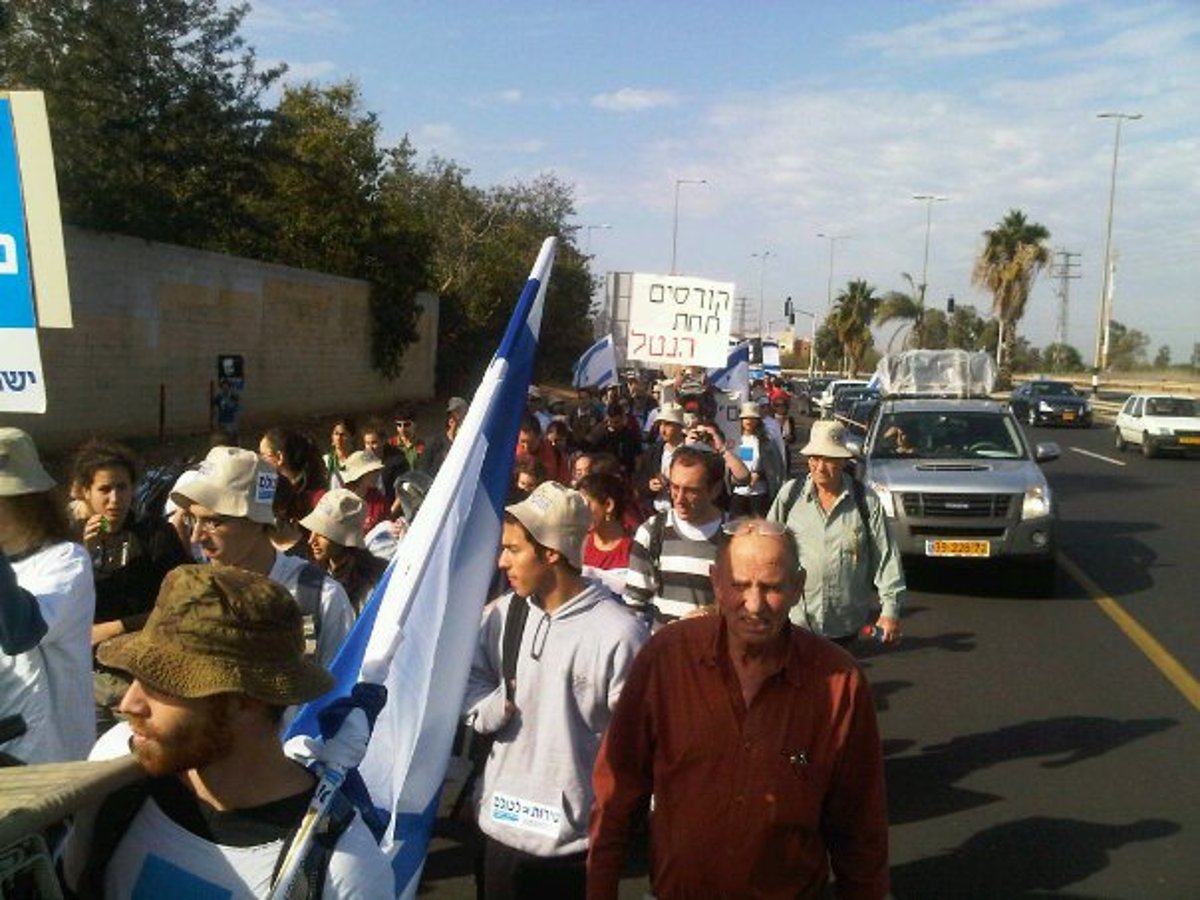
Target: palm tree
[[853, 311], [897, 306], [1014, 252]]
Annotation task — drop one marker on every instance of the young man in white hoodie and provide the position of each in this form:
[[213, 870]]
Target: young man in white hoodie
[[576, 644]]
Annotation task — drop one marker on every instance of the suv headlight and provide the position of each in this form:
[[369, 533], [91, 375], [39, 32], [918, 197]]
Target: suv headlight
[[886, 500], [1036, 504], [1045, 407], [1159, 430]]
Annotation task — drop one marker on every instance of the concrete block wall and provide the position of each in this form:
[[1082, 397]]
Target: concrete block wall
[[151, 319]]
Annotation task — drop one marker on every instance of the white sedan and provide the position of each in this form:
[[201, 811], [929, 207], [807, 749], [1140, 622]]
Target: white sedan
[[1158, 423]]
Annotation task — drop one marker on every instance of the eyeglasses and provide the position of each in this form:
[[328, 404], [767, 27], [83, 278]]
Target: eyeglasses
[[744, 526], [205, 524]]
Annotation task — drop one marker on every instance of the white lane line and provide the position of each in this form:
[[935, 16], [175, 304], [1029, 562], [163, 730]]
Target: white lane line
[[1107, 459]]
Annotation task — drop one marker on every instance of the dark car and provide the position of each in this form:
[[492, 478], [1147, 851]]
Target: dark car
[[1043, 402]]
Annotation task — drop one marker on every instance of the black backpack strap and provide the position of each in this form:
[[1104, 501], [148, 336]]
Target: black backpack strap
[[308, 592], [510, 643], [860, 501], [795, 488], [310, 881], [113, 819]]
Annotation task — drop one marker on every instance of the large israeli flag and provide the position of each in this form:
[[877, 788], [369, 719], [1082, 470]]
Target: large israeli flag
[[418, 632], [735, 376], [597, 367]]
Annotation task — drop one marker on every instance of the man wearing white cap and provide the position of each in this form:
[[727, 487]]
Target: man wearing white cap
[[654, 465], [227, 509], [548, 668], [845, 546]]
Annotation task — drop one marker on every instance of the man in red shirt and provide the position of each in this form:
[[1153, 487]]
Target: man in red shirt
[[758, 742]]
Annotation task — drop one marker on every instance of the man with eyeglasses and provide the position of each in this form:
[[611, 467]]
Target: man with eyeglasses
[[758, 743], [405, 439], [548, 667], [227, 509], [845, 545]]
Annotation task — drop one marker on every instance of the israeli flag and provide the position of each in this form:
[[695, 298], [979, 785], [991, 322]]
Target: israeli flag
[[417, 633], [597, 368], [735, 377]]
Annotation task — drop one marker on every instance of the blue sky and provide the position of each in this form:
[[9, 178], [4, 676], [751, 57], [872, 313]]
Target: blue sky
[[808, 117]]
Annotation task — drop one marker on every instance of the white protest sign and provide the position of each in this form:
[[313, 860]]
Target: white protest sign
[[679, 320]]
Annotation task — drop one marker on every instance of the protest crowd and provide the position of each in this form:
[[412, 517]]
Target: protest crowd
[[668, 647]]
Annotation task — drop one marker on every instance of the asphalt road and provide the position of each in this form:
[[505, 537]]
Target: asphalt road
[[1033, 748]]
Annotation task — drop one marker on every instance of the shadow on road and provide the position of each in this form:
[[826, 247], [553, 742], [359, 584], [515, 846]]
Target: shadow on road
[[1126, 560], [1025, 859], [924, 786]]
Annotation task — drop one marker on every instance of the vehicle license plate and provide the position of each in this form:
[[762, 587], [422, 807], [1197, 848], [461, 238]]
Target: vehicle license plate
[[1068, 417], [958, 548], [1189, 440]]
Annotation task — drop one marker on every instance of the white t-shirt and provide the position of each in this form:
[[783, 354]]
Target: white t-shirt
[[336, 614], [50, 686], [158, 857]]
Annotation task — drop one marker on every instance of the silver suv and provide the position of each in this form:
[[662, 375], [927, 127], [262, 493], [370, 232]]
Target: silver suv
[[957, 478]]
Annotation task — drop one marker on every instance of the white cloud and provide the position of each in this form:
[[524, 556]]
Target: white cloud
[[968, 31], [439, 138], [634, 100], [295, 17], [511, 95], [316, 70]]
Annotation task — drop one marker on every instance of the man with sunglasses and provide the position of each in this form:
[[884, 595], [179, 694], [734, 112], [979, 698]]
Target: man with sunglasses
[[227, 510], [757, 742]]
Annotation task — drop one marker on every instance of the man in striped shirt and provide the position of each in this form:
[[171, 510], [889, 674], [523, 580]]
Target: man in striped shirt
[[673, 550]]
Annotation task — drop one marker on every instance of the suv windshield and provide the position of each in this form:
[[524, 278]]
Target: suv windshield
[[947, 435], [1053, 389]]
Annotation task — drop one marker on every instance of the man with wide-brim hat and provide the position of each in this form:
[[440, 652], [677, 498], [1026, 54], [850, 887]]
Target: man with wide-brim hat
[[650, 480], [218, 661], [845, 545]]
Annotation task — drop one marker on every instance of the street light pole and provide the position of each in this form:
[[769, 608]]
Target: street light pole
[[1106, 284], [929, 200], [833, 239], [812, 346], [762, 274], [675, 221]]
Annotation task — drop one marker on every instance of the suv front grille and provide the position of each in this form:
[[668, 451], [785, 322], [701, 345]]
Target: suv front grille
[[966, 506]]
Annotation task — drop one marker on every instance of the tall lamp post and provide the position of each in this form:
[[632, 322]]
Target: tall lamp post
[[929, 200], [675, 221], [1102, 332], [762, 274], [812, 347], [833, 239]]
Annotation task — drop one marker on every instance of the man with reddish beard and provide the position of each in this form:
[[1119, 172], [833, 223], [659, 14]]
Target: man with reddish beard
[[757, 741], [566, 649], [219, 659]]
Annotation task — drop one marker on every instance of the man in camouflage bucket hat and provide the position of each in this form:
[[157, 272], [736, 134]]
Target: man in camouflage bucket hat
[[219, 659]]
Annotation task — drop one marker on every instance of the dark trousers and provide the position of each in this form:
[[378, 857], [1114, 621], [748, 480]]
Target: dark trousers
[[510, 874]]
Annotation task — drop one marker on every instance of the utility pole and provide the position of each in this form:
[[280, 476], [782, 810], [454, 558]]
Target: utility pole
[[1106, 288], [1064, 267]]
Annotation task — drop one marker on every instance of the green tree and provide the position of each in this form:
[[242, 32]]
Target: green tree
[[1162, 359], [1062, 358], [1126, 347], [1014, 252], [853, 312], [935, 329], [829, 348], [904, 307], [965, 328], [156, 111]]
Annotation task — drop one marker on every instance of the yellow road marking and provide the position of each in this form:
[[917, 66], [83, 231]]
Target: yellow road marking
[[1171, 668]]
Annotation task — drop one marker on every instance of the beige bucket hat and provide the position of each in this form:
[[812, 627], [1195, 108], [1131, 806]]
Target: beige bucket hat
[[557, 517], [338, 516], [827, 439], [21, 471], [232, 482]]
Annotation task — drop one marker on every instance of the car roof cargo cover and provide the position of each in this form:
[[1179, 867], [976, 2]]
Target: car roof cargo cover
[[939, 373]]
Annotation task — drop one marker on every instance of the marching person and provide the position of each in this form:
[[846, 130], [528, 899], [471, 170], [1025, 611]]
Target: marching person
[[757, 742], [548, 668], [218, 662], [47, 600], [337, 545], [845, 545]]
